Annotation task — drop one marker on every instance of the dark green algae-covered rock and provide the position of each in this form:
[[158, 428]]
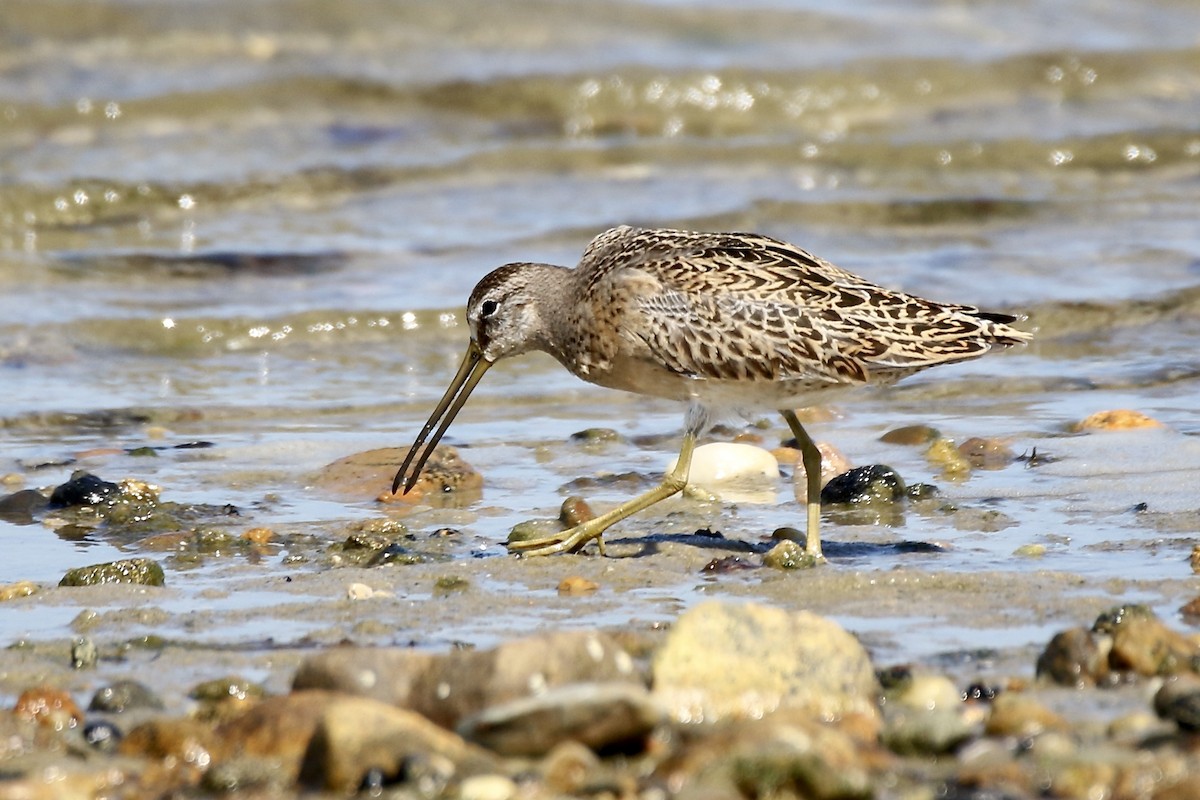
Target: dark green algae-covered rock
[[130, 570]]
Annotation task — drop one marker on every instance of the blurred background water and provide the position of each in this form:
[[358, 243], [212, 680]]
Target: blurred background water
[[256, 224]]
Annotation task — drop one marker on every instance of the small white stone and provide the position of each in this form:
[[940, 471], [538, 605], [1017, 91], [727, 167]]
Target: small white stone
[[724, 463], [359, 591], [487, 787]]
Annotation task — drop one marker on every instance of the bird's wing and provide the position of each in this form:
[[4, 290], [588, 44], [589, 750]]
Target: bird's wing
[[744, 306]]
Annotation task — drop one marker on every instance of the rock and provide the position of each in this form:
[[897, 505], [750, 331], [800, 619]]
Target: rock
[[913, 731], [356, 736], [926, 692], [1076, 657], [1194, 558], [986, 453], [601, 716], [1178, 700], [575, 511], [1017, 715], [530, 529], [1189, 609], [724, 463], [593, 436], [911, 435], [102, 736], [83, 489], [11, 591], [924, 715], [225, 698], [576, 584], [450, 686], [787, 754], [1141, 643], [1030, 551], [487, 787], [833, 463], [277, 730], [143, 571], [875, 483], [944, 455], [186, 741], [446, 479], [788, 554], [124, 695], [568, 767], [84, 654], [258, 536], [722, 660], [1115, 420], [49, 707], [23, 507]]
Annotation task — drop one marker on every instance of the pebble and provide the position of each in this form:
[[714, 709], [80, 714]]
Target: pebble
[[449, 686], [102, 735], [445, 478], [575, 511], [597, 715], [1116, 420], [743, 660], [986, 453], [576, 584], [593, 436], [917, 731], [84, 654], [259, 535], [49, 707], [487, 787], [911, 435], [1076, 657], [1142, 644], [356, 735], [788, 554], [124, 695], [1020, 716], [833, 463], [874, 483], [534, 529], [1178, 700], [12, 591], [945, 456], [23, 507], [359, 591], [143, 571], [83, 489], [719, 464]]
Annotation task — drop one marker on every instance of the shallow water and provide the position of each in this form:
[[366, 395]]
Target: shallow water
[[256, 227]]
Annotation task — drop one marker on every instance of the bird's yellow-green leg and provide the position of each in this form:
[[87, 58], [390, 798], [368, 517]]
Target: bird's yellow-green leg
[[573, 539], [810, 456]]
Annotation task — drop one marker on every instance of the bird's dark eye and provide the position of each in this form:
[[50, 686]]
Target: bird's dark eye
[[487, 308]]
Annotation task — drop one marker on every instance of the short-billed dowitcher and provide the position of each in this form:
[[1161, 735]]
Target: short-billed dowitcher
[[722, 321]]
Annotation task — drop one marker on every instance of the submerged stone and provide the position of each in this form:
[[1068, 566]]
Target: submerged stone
[[20, 508], [911, 435]]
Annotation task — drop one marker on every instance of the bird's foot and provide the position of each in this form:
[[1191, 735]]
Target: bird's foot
[[571, 540]]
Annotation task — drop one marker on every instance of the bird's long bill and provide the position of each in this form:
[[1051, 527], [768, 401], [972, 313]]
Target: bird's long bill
[[469, 373]]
